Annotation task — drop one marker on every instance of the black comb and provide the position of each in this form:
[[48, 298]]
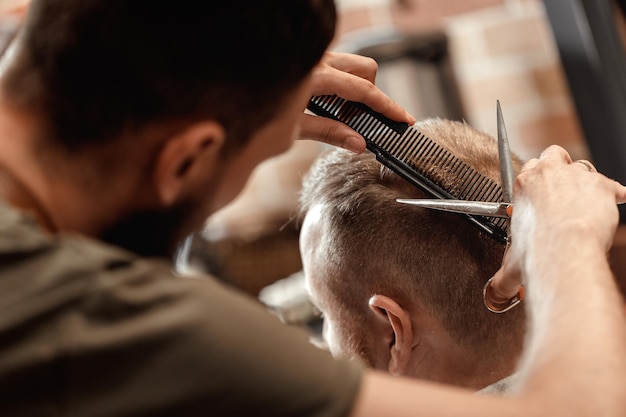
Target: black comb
[[416, 158]]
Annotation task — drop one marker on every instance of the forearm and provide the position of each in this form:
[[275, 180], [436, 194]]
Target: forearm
[[572, 326], [574, 361]]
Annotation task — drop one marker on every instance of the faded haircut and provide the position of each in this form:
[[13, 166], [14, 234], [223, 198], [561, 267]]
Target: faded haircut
[[93, 69], [438, 260]]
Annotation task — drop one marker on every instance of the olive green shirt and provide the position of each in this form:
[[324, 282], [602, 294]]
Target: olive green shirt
[[87, 329]]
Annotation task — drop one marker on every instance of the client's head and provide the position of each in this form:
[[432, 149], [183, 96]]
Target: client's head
[[400, 287]]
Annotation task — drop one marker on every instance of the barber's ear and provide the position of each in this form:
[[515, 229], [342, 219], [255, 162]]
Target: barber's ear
[[401, 340], [186, 155]]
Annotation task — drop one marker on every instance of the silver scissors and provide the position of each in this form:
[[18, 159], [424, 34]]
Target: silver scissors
[[502, 209], [485, 208]]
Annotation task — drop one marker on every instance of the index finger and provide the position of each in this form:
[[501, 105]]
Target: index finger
[[556, 152], [354, 88]]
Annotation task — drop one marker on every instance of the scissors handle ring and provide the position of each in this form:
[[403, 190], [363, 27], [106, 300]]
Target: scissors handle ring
[[499, 306]]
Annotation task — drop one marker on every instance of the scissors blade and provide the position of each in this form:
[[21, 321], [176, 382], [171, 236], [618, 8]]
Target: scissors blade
[[478, 208], [507, 175]]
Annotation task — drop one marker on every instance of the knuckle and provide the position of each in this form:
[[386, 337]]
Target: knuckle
[[371, 64], [327, 134]]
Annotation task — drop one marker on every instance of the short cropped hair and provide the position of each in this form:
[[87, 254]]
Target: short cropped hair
[[408, 253], [93, 69]]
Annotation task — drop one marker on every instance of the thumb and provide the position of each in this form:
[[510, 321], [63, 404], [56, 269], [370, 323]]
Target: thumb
[[506, 282]]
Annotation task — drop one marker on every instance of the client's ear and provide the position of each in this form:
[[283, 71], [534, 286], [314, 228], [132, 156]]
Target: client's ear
[[186, 155], [399, 319]]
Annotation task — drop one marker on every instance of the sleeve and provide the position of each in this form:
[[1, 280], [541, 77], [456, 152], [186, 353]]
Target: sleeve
[[171, 346]]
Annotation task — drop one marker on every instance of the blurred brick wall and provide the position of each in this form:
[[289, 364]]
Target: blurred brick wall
[[12, 6], [500, 50]]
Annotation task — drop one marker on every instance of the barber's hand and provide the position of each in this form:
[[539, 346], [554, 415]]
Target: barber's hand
[[351, 77], [558, 200]]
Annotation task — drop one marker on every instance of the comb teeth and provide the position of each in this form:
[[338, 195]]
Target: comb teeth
[[415, 157]]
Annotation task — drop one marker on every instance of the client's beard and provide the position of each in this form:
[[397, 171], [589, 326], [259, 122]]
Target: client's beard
[[152, 233]]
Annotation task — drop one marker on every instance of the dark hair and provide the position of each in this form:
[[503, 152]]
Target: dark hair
[[93, 69], [439, 260]]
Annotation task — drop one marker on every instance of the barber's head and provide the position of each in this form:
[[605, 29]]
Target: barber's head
[[400, 287], [183, 98]]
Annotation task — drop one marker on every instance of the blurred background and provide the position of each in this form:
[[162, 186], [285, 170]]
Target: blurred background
[[493, 50], [558, 67]]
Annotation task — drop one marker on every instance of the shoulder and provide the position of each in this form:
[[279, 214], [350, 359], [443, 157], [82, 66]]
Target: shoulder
[[111, 321]]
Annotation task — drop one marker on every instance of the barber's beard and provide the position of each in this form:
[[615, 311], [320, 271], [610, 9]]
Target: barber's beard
[[159, 232], [152, 233]]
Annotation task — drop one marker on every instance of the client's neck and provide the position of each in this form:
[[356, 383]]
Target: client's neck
[[440, 358]]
